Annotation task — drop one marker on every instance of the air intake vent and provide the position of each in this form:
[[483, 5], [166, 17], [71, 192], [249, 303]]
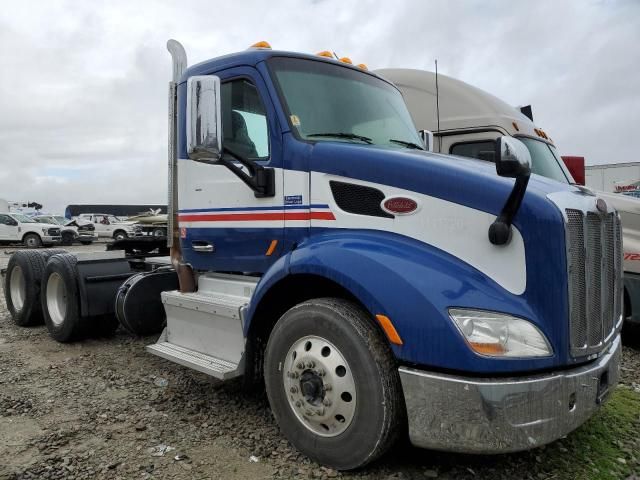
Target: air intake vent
[[358, 199]]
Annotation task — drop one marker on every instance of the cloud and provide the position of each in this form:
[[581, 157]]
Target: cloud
[[83, 84]]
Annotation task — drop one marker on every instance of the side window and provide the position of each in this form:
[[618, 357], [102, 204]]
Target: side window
[[484, 150], [4, 220], [244, 120]]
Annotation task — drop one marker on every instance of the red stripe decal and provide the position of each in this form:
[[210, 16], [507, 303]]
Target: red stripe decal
[[255, 217]]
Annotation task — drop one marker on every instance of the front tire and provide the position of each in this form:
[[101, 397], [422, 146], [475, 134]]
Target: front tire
[[67, 238], [120, 235], [333, 383], [32, 240]]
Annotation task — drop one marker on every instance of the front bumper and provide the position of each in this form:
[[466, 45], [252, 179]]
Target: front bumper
[[51, 240], [473, 415]]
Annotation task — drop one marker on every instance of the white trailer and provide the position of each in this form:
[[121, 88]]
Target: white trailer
[[615, 178]]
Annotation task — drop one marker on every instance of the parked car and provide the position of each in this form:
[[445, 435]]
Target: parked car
[[18, 228], [110, 226], [82, 231]]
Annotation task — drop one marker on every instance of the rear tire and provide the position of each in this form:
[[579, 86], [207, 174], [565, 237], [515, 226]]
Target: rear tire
[[61, 299], [22, 287], [333, 341], [32, 240]]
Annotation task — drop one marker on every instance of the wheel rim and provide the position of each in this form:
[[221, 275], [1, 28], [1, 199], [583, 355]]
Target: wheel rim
[[31, 241], [56, 298], [18, 288], [319, 386]]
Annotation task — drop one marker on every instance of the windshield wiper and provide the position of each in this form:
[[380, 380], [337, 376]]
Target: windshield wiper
[[412, 145], [351, 136]]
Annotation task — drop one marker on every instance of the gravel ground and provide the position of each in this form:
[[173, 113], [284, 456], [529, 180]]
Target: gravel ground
[[106, 409]]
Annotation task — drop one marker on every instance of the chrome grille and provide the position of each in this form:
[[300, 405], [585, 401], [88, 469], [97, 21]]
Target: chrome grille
[[594, 253]]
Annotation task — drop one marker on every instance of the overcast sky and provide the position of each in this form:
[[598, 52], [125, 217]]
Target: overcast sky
[[83, 83]]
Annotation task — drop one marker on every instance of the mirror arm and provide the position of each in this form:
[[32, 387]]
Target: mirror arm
[[260, 179], [500, 229]]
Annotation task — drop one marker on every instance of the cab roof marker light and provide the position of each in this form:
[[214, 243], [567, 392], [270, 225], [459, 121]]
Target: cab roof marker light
[[325, 53], [500, 335], [346, 60], [363, 66], [261, 45]]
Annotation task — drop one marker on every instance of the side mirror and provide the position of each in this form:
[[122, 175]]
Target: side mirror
[[204, 118], [512, 158], [427, 139]]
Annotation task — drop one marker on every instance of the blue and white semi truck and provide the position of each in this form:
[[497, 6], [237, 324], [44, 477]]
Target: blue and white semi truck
[[377, 289]]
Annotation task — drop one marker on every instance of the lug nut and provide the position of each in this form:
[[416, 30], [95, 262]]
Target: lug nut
[[300, 365], [327, 387], [321, 372], [326, 402], [320, 412], [311, 364], [293, 389], [309, 413], [298, 403]]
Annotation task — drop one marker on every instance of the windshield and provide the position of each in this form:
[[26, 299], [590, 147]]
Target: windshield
[[60, 220], [327, 102], [23, 218], [546, 161]]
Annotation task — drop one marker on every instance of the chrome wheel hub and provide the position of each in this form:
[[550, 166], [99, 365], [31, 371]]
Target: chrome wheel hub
[[56, 299], [18, 288], [319, 386]]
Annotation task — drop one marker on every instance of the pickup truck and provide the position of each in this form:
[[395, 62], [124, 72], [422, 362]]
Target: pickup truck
[[111, 227], [71, 231], [19, 228]]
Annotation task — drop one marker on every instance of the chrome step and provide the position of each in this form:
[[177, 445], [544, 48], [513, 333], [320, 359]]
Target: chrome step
[[213, 366], [208, 302]]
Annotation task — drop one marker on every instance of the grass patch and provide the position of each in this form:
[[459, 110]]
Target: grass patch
[[595, 449]]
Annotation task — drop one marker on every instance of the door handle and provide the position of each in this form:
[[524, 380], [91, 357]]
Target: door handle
[[204, 247]]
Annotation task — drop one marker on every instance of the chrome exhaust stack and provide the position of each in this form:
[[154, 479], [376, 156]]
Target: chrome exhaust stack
[[185, 272]]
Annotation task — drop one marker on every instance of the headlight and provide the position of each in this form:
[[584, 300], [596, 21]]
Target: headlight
[[500, 335]]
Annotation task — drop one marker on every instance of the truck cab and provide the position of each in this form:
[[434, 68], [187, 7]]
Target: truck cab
[[303, 186]]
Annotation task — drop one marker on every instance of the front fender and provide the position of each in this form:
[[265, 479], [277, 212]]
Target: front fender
[[414, 284]]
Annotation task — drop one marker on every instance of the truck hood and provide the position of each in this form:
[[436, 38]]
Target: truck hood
[[461, 180]]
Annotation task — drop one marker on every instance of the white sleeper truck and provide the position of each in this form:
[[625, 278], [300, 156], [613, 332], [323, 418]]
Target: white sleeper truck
[[375, 288]]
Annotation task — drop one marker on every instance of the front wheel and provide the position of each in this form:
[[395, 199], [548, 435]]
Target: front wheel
[[67, 238], [120, 235], [333, 383], [32, 240]]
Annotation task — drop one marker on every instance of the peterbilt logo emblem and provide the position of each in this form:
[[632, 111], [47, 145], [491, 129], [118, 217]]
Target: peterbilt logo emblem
[[400, 205], [601, 205]]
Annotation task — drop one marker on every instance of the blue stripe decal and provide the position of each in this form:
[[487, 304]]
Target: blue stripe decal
[[251, 209]]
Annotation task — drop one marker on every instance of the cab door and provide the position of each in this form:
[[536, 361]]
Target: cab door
[[8, 228], [223, 225]]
